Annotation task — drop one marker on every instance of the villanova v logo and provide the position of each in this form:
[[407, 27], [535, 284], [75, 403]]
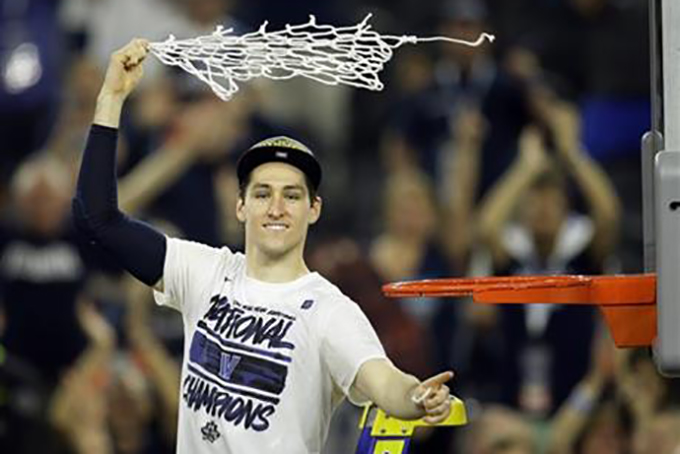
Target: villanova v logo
[[227, 365]]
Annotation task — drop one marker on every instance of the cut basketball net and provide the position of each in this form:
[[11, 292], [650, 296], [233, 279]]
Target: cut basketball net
[[351, 55]]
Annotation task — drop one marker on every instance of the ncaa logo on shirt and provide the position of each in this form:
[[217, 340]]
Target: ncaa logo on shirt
[[306, 304]]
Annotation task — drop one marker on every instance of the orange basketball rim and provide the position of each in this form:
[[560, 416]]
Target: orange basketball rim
[[628, 302]]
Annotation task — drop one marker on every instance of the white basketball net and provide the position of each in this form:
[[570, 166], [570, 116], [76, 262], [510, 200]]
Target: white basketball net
[[352, 55]]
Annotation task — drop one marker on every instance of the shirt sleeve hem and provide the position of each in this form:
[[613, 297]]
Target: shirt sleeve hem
[[355, 397]]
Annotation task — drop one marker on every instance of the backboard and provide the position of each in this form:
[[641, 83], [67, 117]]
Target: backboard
[[661, 181]]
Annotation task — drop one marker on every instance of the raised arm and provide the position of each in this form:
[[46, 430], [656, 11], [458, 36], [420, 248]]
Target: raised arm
[[122, 77], [577, 411], [462, 169], [200, 133], [499, 204], [604, 205], [161, 369], [137, 247]]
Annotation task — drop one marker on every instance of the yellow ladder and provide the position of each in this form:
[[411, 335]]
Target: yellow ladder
[[383, 434]]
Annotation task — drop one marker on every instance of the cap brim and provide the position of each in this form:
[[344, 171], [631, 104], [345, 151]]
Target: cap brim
[[306, 162]]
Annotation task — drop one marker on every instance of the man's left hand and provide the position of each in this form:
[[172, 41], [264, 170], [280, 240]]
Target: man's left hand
[[433, 396]]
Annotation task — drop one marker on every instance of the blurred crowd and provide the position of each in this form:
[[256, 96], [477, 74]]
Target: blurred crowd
[[520, 157]]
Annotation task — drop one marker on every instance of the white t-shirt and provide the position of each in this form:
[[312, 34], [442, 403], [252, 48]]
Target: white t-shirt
[[264, 364]]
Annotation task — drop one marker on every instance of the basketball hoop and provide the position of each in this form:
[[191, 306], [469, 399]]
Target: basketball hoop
[[628, 302]]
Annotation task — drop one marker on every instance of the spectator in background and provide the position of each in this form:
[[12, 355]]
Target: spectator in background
[[662, 436], [410, 247], [179, 129], [408, 341], [406, 78], [461, 165], [474, 337], [542, 361], [593, 420], [598, 50], [77, 407], [344, 261], [108, 24], [79, 96], [429, 237], [117, 400], [464, 78], [645, 392], [555, 36], [159, 374], [31, 54], [42, 270], [653, 401], [616, 104], [499, 430]]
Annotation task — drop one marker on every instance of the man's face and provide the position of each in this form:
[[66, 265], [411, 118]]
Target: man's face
[[44, 207], [276, 210], [410, 211], [543, 211]]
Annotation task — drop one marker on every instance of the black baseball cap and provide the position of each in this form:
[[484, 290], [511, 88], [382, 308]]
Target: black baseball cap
[[280, 149]]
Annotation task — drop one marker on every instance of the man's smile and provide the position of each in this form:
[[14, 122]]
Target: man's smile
[[276, 226]]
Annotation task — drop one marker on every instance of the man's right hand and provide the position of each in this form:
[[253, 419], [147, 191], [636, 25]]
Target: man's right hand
[[125, 69], [122, 76]]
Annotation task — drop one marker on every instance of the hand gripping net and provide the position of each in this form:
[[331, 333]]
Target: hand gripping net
[[351, 55]]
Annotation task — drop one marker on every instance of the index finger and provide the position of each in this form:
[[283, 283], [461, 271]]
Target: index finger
[[437, 380]]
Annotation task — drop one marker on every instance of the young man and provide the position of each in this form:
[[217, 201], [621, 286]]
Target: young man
[[270, 346]]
